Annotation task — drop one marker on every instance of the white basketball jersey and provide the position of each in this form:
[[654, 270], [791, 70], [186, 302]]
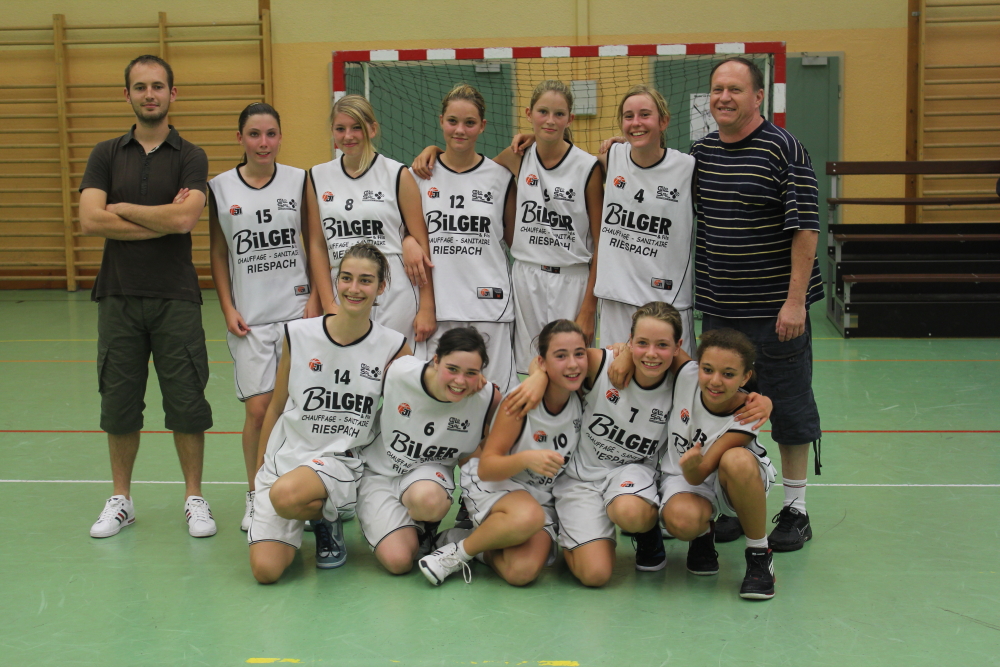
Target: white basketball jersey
[[644, 252], [364, 208], [333, 393], [542, 429], [263, 228], [464, 214], [415, 428], [691, 422], [620, 426], [552, 226]]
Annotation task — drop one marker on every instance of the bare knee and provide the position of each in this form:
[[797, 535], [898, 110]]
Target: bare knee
[[684, 528], [426, 501], [632, 514], [684, 518], [283, 498], [738, 465], [255, 414], [396, 563], [521, 572], [594, 576], [527, 521], [266, 571]]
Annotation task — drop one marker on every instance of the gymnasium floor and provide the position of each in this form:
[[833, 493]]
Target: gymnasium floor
[[903, 569]]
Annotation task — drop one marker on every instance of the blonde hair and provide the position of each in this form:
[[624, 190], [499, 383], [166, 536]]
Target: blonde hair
[[554, 86], [464, 91], [658, 101], [360, 111], [663, 312]]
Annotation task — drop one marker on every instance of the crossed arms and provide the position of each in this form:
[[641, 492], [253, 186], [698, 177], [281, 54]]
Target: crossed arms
[[132, 222]]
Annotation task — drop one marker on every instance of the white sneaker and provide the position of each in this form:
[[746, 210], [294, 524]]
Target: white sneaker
[[199, 517], [444, 562], [118, 512], [247, 513]]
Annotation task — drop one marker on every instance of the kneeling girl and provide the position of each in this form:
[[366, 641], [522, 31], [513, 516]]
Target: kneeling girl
[[325, 398], [712, 462], [508, 490], [434, 414]]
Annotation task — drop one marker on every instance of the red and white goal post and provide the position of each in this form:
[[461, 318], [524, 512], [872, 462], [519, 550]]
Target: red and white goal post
[[406, 86]]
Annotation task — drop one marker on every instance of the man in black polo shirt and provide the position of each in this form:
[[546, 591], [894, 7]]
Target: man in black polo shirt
[[143, 192], [756, 270]]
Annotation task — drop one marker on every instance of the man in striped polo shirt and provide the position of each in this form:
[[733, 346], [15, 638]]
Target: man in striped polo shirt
[[756, 270]]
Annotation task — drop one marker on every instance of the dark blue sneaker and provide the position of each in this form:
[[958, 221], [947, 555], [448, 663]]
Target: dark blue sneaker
[[331, 550]]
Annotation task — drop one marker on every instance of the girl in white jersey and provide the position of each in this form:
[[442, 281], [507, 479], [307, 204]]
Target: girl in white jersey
[[712, 461], [557, 221], [508, 490], [648, 219], [365, 196], [434, 414], [467, 204], [257, 247], [325, 397]]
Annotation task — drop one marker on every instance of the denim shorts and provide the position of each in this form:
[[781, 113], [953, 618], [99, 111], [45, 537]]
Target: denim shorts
[[129, 328], [783, 373]]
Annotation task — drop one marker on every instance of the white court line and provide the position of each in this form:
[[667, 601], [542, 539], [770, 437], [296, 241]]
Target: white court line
[[917, 485], [101, 481], [108, 481]]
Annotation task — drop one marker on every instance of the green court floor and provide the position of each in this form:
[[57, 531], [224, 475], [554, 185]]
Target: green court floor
[[904, 568]]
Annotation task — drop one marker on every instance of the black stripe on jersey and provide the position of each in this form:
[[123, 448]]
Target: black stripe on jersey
[[288, 338], [312, 181], [561, 160], [423, 384], [403, 231], [401, 346], [511, 189], [587, 384], [655, 164], [586, 182], [482, 159], [353, 342], [362, 174], [271, 180], [658, 384], [489, 404], [561, 410]]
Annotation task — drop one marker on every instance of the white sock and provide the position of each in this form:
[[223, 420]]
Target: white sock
[[462, 553], [757, 544], [795, 493], [707, 531]]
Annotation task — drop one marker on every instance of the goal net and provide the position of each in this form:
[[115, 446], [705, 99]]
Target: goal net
[[406, 87]]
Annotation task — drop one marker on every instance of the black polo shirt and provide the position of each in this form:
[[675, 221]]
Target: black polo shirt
[[159, 267]]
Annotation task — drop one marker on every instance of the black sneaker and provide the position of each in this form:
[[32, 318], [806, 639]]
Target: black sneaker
[[758, 584], [792, 531], [702, 558], [427, 537], [727, 529], [650, 555], [462, 519]]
